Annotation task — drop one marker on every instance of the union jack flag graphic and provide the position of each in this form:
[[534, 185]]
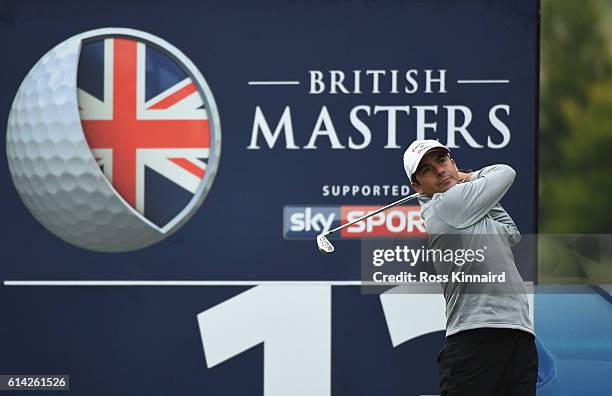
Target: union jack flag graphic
[[145, 122]]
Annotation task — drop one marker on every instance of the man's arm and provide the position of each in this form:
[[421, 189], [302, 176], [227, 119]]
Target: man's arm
[[499, 214], [466, 203]]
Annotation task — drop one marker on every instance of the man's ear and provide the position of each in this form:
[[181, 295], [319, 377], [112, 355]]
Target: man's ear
[[416, 187]]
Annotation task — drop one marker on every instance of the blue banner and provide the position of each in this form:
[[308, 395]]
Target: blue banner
[[211, 142]]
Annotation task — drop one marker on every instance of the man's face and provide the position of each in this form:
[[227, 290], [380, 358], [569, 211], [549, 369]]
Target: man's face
[[436, 173]]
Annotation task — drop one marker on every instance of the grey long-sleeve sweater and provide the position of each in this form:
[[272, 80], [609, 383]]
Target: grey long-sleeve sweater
[[469, 216]]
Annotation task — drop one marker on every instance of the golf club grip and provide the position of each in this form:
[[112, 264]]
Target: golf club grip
[[377, 211]]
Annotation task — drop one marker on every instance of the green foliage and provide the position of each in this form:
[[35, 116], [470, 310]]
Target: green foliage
[[575, 120]]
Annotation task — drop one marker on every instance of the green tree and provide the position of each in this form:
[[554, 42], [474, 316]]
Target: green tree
[[582, 191], [575, 119]]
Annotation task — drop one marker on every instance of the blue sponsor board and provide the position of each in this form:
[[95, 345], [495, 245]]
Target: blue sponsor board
[[293, 123], [310, 95]]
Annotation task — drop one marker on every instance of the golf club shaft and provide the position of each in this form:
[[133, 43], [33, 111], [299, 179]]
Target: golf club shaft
[[398, 202]]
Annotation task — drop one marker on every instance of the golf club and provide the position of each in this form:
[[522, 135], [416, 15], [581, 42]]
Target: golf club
[[325, 245]]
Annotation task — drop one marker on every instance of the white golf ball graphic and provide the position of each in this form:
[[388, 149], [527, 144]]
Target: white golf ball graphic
[[60, 179]]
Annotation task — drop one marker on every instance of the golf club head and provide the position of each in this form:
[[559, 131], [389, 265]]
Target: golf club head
[[324, 244]]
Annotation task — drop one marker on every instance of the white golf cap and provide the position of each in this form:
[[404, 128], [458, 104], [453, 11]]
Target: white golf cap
[[415, 152]]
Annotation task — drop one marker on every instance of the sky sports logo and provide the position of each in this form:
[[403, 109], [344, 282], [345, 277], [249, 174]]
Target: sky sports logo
[[305, 222]]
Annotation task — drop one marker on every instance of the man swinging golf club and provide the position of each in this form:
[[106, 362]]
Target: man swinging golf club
[[490, 348]]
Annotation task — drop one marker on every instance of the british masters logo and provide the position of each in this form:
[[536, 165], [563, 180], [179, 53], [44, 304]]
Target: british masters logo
[[127, 155]]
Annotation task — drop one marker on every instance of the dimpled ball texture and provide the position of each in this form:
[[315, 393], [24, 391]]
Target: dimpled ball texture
[[53, 168]]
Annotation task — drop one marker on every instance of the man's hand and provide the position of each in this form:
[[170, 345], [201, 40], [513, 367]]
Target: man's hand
[[464, 176]]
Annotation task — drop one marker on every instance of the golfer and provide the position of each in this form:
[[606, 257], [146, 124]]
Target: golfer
[[490, 348]]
